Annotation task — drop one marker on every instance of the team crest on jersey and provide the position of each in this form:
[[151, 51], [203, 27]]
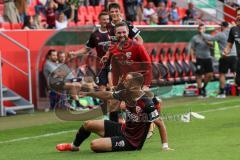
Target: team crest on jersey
[[128, 54]]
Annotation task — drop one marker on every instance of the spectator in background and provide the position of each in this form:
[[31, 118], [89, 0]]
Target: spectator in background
[[201, 55], [60, 5], [40, 6], [191, 15], [148, 11], [139, 10], [49, 67], [156, 2], [28, 23], [50, 14], [22, 8], [62, 21], [37, 22], [10, 12], [130, 7], [153, 20], [173, 15], [162, 14], [76, 4]]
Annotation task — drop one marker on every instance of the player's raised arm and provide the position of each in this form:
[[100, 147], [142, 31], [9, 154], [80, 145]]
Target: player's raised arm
[[83, 50], [103, 95], [106, 95], [139, 39]]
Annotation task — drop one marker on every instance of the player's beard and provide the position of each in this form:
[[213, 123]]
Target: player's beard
[[122, 41], [238, 21]]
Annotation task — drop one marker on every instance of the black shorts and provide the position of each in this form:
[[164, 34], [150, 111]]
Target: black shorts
[[238, 72], [204, 66], [103, 76], [227, 63], [119, 142]]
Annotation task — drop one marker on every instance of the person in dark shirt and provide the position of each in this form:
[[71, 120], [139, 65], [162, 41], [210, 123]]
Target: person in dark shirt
[[140, 112], [234, 37], [100, 40], [50, 15], [115, 14]]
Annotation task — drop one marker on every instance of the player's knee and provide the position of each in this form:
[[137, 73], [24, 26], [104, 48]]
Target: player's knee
[[95, 146], [87, 124]]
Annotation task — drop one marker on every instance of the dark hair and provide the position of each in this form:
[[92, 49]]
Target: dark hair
[[238, 10], [27, 23], [138, 78], [60, 52], [201, 25], [103, 13], [113, 5], [49, 53]]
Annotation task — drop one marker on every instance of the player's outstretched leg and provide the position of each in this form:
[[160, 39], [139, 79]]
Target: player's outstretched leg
[[96, 126]]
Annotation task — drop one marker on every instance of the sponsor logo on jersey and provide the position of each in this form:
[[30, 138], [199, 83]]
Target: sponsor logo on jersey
[[120, 144], [128, 54]]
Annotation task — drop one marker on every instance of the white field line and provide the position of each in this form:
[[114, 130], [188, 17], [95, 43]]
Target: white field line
[[36, 137], [70, 131], [219, 109]]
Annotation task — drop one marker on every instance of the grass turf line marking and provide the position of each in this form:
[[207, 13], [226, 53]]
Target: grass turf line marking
[[70, 131], [219, 109], [36, 137]]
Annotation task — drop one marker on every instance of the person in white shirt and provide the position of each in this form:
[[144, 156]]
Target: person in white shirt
[[148, 11], [62, 21]]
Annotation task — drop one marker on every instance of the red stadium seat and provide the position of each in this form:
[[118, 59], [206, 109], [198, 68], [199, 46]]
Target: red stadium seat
[[81, 18], [71, 24], [98, 9], [96, 23], [1, 9], [181, 12], [5, 25], [95, 18], [80, 23], [16, 26], [89, 23], [143, 23], [169, 3], [89, 18], [31, 10], [91, 10], [135, 23], [82, 10], [33, 3]]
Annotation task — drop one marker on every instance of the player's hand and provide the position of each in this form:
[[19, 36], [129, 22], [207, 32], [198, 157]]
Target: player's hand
[[104, 59], [225, 53], [82, 94], [167, 149], [194, 60]]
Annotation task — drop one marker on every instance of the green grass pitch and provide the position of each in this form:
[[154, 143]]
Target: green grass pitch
[[217, 137]]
